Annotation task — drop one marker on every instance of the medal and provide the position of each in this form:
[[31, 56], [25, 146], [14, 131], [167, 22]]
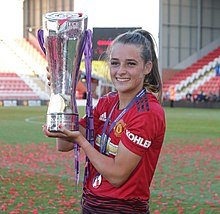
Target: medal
[[97, 180]]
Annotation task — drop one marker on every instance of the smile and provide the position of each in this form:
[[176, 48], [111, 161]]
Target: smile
[[122, 79]]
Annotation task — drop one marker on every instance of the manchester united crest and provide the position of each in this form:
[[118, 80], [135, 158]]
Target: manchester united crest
[[119, 128]]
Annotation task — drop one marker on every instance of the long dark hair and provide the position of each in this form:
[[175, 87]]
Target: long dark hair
[[146, 42]]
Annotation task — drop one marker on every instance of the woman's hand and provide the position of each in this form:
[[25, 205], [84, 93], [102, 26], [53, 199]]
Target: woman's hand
[[48, 75], [64, 134]]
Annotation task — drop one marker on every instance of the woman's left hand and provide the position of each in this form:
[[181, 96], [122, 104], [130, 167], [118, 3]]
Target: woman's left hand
[[65, 134]]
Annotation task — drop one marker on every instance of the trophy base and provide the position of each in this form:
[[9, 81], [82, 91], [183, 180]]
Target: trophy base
[[69, 121]]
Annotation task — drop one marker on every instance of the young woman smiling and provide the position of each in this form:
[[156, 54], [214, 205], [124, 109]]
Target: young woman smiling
[[129, 127]]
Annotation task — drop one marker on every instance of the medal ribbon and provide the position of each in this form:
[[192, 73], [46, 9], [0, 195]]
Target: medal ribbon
[[104, 138], [89, 110]]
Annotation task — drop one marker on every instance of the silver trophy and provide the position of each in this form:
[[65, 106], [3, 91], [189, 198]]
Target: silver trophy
[[63, 41]]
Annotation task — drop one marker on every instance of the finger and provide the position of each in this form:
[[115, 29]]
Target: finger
[[55, 135], [65, 131], [70, 134], [48, 75], [48, 133]]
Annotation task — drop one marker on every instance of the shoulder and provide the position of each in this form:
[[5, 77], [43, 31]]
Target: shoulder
[[154, 105], [147, 112], [108, 98], [106, 101], [145, 126], [148, 104]]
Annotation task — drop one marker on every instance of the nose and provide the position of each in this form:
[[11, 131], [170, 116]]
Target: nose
[[122, 69]]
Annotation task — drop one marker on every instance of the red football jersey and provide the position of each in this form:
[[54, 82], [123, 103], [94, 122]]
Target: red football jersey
[[141, 129]]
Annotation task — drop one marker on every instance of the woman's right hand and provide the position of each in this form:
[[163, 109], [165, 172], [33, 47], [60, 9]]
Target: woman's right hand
[[48, 75]]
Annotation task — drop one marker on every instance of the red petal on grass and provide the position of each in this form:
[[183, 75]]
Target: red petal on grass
[[3, 207], [20, 205], [202, 211], [210, 203], [180, 210], [33, 187], [11, 202], [60, 187], [73, 200], [63, 197], [60, 211], [77, 209], [68, 205], [35, 211], [50, 201], [23, 179], [11, 192], [31, 201], [15, 212], [215, 196], [41, 208], [182, 190], [194, 206]]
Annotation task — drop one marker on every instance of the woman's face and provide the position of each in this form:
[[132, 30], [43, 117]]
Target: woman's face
[[127, 68]]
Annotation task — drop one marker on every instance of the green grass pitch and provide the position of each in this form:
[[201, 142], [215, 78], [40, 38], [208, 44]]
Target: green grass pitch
[[35, 178]]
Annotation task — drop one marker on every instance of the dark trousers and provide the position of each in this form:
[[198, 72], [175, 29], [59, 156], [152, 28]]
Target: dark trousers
[[87, 211]]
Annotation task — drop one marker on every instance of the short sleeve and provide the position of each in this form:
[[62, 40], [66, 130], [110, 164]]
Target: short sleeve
[[141, 132]]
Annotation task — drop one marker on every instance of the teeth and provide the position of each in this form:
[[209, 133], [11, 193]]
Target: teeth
[[122, 80]]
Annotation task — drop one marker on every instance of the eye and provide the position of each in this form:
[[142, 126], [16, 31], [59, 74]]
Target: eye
[[114, 63], [131, 64]]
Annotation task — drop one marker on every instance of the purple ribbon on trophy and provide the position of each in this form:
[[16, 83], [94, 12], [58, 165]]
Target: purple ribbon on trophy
[[63, 39]]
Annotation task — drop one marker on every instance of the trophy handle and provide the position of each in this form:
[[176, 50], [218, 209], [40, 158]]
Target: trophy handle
[[40, 37]]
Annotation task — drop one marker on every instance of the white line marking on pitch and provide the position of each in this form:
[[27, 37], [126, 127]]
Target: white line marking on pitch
[[31, 120]]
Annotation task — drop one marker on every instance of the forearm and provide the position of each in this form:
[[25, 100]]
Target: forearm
[[64, 145], [116, 176], [116, 170]]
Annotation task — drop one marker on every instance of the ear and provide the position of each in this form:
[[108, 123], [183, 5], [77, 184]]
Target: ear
[[148, 67]]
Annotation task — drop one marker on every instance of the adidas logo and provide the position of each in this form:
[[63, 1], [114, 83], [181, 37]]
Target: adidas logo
[[103, 117]]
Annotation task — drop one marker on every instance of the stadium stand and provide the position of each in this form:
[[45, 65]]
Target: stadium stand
[[13, 87], [200, 76], [210, 86], [18, 79], [22, 72]]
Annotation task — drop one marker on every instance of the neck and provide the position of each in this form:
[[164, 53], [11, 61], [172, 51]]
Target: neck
[[125, 99]]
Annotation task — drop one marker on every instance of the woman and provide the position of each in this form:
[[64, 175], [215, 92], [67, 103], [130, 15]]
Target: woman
[[129, 130]]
